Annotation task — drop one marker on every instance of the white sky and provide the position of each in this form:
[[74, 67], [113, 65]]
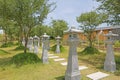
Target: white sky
[[68, 10]]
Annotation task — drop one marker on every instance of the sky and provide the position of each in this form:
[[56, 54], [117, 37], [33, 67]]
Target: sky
[[68, 10]]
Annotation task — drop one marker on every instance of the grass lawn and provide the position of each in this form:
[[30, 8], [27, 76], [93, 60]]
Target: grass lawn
[[53, 70]]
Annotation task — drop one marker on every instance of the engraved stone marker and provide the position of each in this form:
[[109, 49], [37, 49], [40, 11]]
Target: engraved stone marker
[[58, 44], [72, 72], [109, 64], [45, 48]]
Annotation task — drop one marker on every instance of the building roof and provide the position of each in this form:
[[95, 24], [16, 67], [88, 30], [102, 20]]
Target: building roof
[[73, 29], [111, 27]]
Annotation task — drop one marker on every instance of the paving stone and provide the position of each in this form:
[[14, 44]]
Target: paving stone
[[64, 63], [50, 54], [82, 67], [97, 75], [53, 56], [60, 59]]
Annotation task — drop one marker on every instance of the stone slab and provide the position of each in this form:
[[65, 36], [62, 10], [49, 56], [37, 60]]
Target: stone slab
[[50, 54], [53, 56], [60, 59], [82, 67], [64, 63], [97, 75]]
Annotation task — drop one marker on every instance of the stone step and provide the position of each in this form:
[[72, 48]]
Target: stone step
[[82, 67], [59, 59], [53, 56], [97, 75]]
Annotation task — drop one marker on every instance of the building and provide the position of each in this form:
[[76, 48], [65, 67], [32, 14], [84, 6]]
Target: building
[[99, 33]]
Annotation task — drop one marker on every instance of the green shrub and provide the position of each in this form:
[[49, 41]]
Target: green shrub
[[53, 48], [8, 44], [25, 58], [117, 44], [20, 47], [90, 50]]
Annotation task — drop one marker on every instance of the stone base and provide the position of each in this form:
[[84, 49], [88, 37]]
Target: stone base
[[45, 61], [111, 67], [74, 76]]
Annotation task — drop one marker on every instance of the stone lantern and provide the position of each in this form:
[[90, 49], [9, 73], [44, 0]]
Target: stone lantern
[[36, 44], [58, 44], [72, 72], [109, 64], [30, 43], [45, 48]]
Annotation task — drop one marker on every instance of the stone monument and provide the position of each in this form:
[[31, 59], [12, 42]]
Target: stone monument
[[45, 49], [30, 44], [58, 44], [36, 44], [109, 64], [72, 72]]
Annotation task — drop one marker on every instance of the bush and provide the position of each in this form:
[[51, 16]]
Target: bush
[[8, 44], [25, 58], [53, 48], [90, 50], [117, 44], [21, 47]]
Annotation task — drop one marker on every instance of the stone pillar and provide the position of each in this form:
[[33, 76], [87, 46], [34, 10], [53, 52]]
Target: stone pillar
[[36, 44], [72, 72], [58, 44], [45, 49], [30, 44], [109, 64]]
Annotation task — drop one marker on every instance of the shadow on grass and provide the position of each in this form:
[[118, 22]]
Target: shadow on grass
[[5, 61], [2, 52], [60, 78], [96, 60]]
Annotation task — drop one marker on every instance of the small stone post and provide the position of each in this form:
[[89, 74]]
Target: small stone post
[[72, 72], [58, 44], [109, 64], [30, 44], [45, 49], [36, 44]]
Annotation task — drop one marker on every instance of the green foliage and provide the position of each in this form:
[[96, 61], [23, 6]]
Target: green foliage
[[112, 9], [25, 58], [90, 50], [58, 27], [8, 44], [88, 23], [117, 44], [2, 52], [20, 47], [53, 48]]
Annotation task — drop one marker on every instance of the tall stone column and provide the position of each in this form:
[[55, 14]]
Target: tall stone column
[[72, 72], [58, 44], [30, 44], [36, 44], [45, 49], [109, 64]]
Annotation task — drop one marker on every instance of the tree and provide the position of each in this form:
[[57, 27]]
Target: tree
[[6, 16], [112, 9], [88, 23], [58, 27], [39, 30], [28, 14]]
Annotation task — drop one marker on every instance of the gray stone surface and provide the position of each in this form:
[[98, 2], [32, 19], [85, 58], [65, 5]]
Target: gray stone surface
[[45, 49], [72, 72], [30, 44], [97, 75], [58, 44], [36, 44], [109, 64]]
